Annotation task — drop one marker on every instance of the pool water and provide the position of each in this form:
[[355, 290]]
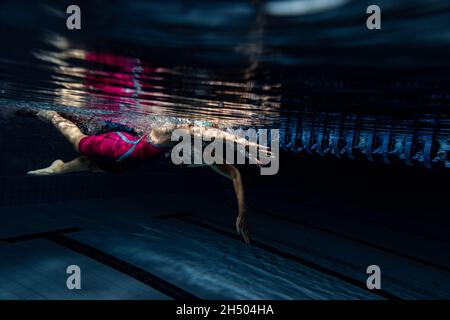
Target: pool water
[[364, 130]]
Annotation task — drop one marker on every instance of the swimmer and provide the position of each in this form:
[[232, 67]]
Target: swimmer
[[99, 153]]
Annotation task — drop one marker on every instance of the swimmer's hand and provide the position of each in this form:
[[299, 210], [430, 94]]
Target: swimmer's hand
[[54, 168], [241, 226]]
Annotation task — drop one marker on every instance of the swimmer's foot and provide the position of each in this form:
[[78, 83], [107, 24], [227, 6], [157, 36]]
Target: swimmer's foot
[[54, 168], [241, 227], [45, 115], [27, 112]]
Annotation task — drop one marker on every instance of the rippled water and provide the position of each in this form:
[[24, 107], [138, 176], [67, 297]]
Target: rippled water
[[291, 64]]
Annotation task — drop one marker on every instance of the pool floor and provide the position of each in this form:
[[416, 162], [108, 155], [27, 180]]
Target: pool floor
[[173, 246]]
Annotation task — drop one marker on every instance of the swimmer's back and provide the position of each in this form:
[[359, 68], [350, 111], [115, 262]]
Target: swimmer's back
[[119, 146]]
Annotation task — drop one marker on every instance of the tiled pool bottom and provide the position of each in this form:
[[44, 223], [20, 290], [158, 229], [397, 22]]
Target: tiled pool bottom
[[170, 246]]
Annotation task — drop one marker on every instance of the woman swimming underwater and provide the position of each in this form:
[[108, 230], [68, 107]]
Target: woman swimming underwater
[[120, 147]]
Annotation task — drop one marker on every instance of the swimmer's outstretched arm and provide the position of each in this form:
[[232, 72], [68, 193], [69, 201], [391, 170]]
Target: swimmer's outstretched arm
[[79, 164], [233, 173], [163, 134]]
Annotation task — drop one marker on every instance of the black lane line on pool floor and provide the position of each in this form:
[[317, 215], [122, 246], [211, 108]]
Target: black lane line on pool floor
[[185, 218], [40, 235], [143, 276], [364, 242]]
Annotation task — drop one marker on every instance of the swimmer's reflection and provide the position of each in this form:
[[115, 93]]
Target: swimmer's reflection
[[118, 84]]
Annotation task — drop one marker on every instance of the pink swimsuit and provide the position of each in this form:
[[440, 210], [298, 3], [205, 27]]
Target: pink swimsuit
[[117, 146]]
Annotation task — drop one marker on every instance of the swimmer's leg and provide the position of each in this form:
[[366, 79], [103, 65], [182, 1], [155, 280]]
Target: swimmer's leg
[[68, 129], [231, 172], [79, 164]]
